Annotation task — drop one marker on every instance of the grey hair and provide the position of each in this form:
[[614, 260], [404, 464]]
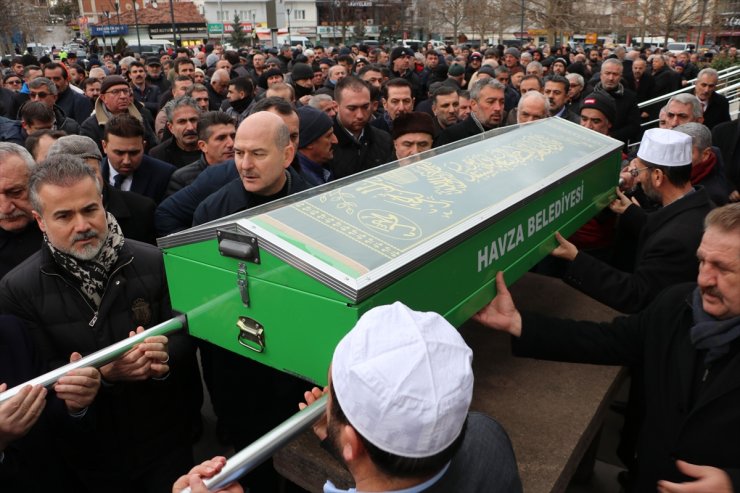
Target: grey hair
[[578, 79], [534, 94], [10, 149], [177, 103], [317, 99], [61, 170], [127, 61], [686, 98], [708, 71], [613, 61], [535, 66], [282, 136], [480, 84], [701, 136], [40, 82]]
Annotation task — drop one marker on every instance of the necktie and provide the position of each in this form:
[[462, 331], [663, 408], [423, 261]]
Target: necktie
[[118, 181]]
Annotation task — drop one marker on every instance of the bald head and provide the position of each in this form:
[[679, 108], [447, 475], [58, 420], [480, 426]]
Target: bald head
[[262, 152]]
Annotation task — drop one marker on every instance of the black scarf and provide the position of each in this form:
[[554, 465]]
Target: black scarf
[[711, 334], [241, 104], [93, 274]]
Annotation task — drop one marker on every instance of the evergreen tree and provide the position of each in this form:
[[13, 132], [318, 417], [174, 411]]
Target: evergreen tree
[[238, 37]]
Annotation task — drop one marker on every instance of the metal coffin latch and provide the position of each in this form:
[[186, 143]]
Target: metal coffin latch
[[251, 334]]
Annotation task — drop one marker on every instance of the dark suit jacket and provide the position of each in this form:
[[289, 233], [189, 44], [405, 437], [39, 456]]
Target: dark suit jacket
[[134, 213], [150, 179], [666, 255], [718, 110], [725, 136], [681, 413]]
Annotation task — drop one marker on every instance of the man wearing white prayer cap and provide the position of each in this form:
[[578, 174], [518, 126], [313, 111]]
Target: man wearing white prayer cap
[[400, 386], [667, 239]]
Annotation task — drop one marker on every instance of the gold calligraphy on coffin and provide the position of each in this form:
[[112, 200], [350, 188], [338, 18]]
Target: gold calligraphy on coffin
[[424, 188]]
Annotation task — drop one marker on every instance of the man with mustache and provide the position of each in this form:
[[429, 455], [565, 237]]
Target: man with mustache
[[216, 132], [667, 238], [19, 235], [181, 149], [87, 288], [687, 342]]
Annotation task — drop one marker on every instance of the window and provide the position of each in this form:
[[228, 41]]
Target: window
[[299, 15]]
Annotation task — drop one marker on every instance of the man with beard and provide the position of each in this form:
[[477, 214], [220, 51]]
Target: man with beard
[[668, 237], [182, 121], [556, 90], [487, 112], [19, 235], [398, 412], [86, 289]]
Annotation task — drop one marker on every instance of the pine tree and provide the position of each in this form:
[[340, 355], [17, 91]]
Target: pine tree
[[238, 37]]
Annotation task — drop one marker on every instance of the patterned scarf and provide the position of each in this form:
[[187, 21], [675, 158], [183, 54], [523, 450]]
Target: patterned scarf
[[93, 274], [710, 333]]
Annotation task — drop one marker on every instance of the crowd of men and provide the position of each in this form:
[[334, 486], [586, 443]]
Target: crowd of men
[[98, 159]]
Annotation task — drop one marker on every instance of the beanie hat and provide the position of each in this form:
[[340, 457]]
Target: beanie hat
[[456, 70], [487, 69], [415, 122], [400, 51], [112, 80], [211, 60], [512, 51], [602, 102], [313, 123], [302, 71]]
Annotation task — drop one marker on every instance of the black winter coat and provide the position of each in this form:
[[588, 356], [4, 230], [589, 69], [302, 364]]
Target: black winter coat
[[137, 423], [666, 255], [351, 156], [700, 429]]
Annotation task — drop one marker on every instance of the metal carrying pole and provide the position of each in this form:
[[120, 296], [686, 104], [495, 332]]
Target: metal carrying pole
[[101, 357], [264, 447]]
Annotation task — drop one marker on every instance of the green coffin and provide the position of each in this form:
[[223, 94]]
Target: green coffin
[[282, 283]]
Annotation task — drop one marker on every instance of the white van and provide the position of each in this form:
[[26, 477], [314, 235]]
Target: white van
[[414, 44], [681, 47]]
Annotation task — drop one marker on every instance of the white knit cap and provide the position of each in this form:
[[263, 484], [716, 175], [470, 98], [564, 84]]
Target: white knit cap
[[665, 147], [404, 380]]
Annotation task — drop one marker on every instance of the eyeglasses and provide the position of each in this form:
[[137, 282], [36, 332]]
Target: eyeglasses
[[636, 171], [39, 95], [14, 82], [119, 92]]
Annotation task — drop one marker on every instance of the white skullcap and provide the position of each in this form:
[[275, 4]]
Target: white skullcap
[[665, 147], [404, 380]]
